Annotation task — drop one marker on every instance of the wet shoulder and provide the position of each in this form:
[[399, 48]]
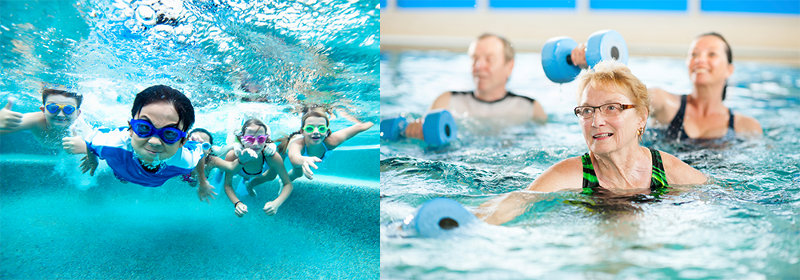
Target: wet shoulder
[[566, 174], [746, 126], [680, 173]]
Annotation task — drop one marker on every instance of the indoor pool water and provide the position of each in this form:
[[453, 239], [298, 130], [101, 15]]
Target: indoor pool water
[[234, 60], [743, 227]]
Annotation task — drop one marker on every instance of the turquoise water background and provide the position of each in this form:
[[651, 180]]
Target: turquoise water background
[[57, 223], [744, 227]]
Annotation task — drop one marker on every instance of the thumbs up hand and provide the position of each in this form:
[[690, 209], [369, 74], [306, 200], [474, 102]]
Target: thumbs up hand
[[9, 120]]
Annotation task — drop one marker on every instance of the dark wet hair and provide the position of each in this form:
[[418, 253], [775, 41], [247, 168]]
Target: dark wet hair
[[203, 130], [49, 91], [311, 113], [250, 122], [728, 54], [162, 93]]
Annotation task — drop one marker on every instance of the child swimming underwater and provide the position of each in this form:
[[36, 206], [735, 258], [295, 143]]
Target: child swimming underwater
[[154, 147], [254, 137]]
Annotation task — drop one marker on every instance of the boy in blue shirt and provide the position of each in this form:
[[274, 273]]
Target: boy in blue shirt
[[154, 147]]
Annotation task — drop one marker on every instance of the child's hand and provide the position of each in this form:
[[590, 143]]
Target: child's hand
[[269, 149], [308, 162], [205, 191], [240, 209], [9, 119], [245, 155], [74, 145], [89, 163], [271, 207]]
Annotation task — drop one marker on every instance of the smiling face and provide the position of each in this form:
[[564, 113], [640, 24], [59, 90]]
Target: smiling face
[[605, 134], [707, 61], [314, 138], [490, 69], [160, 114], [60, 120]]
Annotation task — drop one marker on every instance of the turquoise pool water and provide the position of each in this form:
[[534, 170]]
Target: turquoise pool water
[[234, 60], [743, 228]]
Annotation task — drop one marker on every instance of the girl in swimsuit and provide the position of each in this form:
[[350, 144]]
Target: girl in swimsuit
[[308, 146], [254, 137]]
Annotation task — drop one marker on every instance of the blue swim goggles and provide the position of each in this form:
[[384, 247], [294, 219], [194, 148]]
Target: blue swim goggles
[[53, 108], [146, 129]]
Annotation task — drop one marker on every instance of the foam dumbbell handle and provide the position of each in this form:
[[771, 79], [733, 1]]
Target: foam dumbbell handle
[[439, 128], [393, 128], [606, 45], [438, 217], [557, 60]]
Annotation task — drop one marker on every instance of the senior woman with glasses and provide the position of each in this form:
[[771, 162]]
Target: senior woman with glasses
[[612, 112]]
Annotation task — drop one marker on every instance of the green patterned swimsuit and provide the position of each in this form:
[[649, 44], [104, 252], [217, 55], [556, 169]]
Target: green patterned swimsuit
[[658, 181]]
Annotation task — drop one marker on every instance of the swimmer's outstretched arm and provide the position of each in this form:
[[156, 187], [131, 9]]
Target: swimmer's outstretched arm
[[224, 164], [275, 162], [205, 190], [337, 138], [74, 144], [507, 207], [300, 161], [12, 121]]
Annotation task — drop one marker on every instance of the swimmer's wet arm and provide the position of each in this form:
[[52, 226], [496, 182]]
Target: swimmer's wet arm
[[538, 113], [11, 121], [224, 164], [505, 208], [275, 162], [205, 191], [74, 145], [338, 137]]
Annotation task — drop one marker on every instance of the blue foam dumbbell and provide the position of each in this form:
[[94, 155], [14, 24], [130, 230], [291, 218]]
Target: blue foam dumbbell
[[438, 128], [438, 217], [602, 45]]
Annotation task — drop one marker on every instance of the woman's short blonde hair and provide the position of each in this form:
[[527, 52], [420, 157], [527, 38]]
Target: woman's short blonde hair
[[611, 75]]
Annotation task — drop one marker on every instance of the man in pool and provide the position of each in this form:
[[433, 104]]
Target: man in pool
[[57, 119], [492, 62], [154, 148]]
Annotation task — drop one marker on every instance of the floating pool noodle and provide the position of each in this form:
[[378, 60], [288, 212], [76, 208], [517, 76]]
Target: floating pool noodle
[[439, 128], [439, 216]]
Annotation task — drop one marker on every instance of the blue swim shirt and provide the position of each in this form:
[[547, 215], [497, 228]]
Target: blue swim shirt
[[114, 146]]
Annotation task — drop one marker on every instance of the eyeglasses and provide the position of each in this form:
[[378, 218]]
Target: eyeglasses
[[53, 108], [253, 138], [309, 128], [608, 110], [145, 129]]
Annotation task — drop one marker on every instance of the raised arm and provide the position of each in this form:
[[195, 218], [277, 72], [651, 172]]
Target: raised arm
[[338, 137], [11, 121]]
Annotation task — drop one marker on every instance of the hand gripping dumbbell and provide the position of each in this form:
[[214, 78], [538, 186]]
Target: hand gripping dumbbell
[[602, 45], [438, 128]]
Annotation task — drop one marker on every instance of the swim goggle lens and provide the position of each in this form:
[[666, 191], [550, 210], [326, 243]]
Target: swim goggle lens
[[310, 128], [145, 129], [253, 138], [53, 108]]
